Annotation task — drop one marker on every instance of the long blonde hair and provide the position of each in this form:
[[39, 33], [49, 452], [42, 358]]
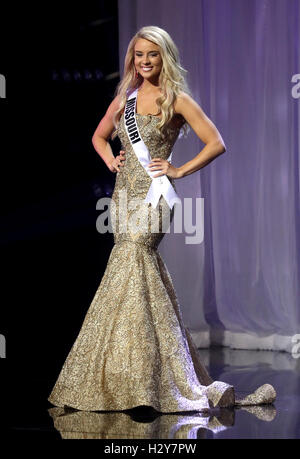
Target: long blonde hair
[[171, 78]]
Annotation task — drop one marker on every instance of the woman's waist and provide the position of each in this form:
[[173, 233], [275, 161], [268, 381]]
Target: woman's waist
[[141, 183]]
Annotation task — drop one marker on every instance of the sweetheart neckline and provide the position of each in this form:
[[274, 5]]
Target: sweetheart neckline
[[139, 114], [153, 116]]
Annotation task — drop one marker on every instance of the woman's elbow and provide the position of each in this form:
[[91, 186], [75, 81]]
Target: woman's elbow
[[95, 138], [221, 147]]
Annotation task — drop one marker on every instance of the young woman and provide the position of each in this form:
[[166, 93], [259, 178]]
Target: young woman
[[133, 348]]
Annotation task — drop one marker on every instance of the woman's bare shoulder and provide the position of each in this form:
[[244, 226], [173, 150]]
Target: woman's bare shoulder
[[114, 106], [183, 99]]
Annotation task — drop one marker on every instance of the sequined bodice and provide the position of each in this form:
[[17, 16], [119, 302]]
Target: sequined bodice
[[147, 124], [135, 181], [157, 146]]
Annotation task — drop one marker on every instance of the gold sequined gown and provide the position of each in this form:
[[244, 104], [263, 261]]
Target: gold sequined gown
[[133, 348]]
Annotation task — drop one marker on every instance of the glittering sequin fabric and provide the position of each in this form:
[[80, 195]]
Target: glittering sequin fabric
[[133, 348]]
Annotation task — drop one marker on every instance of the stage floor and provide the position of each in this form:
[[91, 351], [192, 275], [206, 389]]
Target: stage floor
[[34, 416]]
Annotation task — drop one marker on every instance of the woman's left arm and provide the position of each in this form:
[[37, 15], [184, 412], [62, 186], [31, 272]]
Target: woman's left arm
[[205, 130]]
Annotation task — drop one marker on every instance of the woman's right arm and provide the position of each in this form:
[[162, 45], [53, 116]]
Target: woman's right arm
[[103, 133]]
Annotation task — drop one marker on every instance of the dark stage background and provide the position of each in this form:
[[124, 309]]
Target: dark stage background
[[61, 65]]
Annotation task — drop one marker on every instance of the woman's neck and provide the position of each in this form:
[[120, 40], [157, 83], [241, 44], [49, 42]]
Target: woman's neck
[[148, 87]]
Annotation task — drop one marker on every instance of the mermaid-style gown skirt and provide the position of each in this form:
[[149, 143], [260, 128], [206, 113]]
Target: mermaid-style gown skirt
[[133, 348]]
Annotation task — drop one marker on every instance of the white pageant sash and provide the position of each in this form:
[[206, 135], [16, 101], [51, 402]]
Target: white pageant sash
[[160, 185]]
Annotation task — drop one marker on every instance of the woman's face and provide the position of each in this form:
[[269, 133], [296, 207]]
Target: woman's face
[[147, 59]]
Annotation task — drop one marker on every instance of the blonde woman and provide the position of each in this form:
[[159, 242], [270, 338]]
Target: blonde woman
[[133, 348]]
